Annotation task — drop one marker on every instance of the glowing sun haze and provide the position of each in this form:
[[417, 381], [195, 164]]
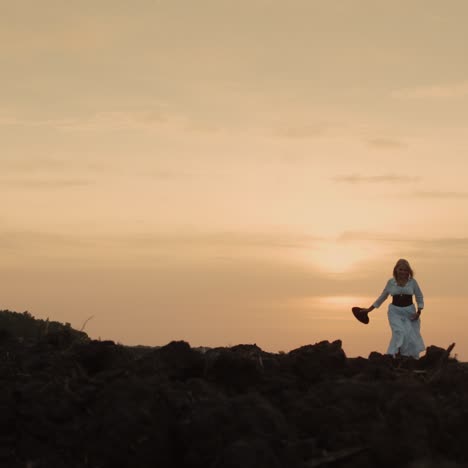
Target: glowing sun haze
[[232, 172]]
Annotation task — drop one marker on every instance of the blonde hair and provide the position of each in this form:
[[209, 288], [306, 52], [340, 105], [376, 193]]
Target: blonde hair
[[402, 262]]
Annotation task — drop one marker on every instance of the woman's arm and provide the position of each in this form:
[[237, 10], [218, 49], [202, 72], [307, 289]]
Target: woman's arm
[[419, 300], [378, 302], [419, 295]]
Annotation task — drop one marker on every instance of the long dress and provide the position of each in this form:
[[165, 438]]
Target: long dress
[[406, 333]]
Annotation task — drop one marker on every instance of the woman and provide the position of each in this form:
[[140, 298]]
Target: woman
[[403, 317]]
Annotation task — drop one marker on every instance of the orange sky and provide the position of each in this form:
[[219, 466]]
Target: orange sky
[[233, 171]]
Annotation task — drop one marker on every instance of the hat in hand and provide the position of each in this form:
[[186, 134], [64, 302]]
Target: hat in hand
[[361, 314]]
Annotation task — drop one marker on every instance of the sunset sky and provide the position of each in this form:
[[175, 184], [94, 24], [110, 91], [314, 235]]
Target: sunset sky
[[234, 171]]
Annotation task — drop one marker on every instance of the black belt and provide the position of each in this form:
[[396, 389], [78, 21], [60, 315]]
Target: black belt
[[402, 300]]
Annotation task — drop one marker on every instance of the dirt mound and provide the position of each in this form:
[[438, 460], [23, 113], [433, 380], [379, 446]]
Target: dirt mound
[[77, 403]]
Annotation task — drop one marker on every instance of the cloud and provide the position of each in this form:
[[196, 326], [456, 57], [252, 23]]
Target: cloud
[[152, 118], [436, 246], [440, 194], [116, 120], [218, 242], [227, 239], [32, 164], [301, 131], [12, 119], [378, 236], [162, 175], [146, 116], [45, 183], [453, 90], [51, 172], [376, 179], [386, 143], [32, 240]]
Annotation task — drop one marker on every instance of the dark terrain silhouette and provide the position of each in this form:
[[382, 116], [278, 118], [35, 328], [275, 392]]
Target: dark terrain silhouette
[[69, 401]]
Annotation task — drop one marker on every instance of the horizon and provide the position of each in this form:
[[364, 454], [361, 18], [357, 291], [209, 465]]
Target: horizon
[[204, 348], [234, 172]]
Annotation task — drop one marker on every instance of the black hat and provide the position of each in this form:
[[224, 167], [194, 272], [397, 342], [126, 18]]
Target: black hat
[[361, 314]]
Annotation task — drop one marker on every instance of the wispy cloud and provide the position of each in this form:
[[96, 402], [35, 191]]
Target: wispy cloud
[[106, 120], [10, 164], [45, 183], [450, 90], [176, 240], [167, 175], [117, 120], [23, 121], [440, 194], [228, 239], [153, 118], [375, 179], [386, 143], [432, 245], [22, 240], [302, 131], [368, 236]]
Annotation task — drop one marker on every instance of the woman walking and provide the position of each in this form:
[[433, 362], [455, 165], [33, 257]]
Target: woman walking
[[403, 316]]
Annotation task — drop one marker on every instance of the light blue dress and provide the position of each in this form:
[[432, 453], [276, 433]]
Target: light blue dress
[[406, 333]]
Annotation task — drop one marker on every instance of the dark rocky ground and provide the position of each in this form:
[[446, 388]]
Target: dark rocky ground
[[68, 401]]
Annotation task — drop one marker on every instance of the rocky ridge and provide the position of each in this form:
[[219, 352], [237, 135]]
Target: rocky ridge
[[69, 401]]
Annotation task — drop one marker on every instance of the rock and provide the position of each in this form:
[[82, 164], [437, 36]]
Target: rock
[[313, 362], [434, 355], [96, 356], [177, 360], [234, 371]]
